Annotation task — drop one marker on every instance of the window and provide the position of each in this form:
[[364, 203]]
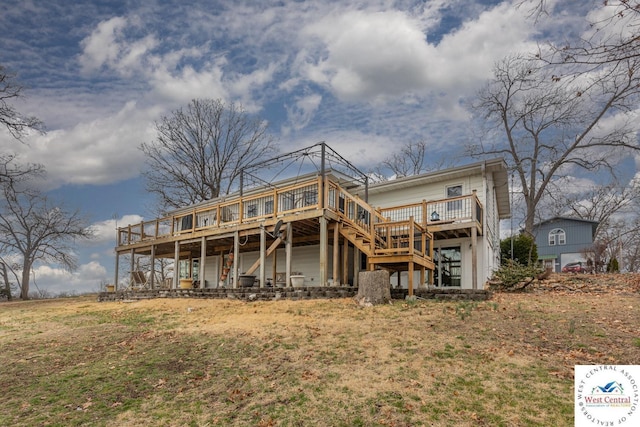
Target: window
[[454, 191], [252, 210], [268, 207], [448, 271], [309, 198], [286, 201], [557, 236]]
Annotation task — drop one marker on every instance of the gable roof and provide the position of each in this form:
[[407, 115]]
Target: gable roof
[[565, 218]]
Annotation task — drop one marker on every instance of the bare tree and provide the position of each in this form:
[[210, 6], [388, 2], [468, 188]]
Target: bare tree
[[630, 243], [32, 229], [614, 36], [201, 150], [410, 160], [599, 203], [11, 171], [16, 123], [552, 124]]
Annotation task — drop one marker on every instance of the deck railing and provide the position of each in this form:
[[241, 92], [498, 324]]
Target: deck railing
[[456, 210], [306, 196], [272, 203], [404, 237]]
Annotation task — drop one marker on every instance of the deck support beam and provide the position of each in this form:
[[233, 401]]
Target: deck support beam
[[345, 262], [357, 259], [203, 261], [152, 274], [287, 253], [323, 251], [236, 256], [324, 265], [115, 279], [132, 265], [263, 256], [410, 278], [176, 264], [336, 255], [474, 257]]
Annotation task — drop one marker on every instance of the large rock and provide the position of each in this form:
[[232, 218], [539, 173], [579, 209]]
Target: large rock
[[374, 288]]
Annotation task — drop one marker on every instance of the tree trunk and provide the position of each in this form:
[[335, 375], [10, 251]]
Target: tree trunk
[[374, 288], [5, 277], [24, 285]]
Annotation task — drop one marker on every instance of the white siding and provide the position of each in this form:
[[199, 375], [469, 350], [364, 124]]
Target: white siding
[[417, 194]]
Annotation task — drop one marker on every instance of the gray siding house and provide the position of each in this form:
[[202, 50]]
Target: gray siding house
[[563, 240]]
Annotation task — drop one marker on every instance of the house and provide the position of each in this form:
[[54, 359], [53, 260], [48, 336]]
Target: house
[[562, 240], [323, 228]]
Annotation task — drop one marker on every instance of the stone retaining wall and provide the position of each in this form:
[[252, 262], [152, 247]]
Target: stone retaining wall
[[272, 294]]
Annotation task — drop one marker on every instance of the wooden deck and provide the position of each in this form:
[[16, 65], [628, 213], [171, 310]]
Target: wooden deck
[[310, 213]]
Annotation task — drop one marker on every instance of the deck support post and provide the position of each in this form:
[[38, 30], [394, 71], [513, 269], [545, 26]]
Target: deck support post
[[115, 279], [263, 258], [220, 269], [474, 240], [152, 273], [474, 257], [236, 256], [345, 262], [132, 265], [176, 264], [336, 255], [410, 278], [274, 267], [287, 254], [203, 261], [356, 265], [323, 251]]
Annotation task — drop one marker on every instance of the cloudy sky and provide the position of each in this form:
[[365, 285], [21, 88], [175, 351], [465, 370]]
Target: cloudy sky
[[365, 76]]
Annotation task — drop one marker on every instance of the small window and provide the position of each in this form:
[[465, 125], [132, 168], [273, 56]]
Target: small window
[[309, 198], [268, 207], [252, 210], [454, 191], [557, 236]]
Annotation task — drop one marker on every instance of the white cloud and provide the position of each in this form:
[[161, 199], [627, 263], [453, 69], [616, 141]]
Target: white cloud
[[190, 83], [466, 57], [301, 112], [102, 47], [87, 278], [384, 57], [368, 54], [100, 151], [105, 231]]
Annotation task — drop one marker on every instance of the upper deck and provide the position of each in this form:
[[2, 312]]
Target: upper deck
[[297, 203]]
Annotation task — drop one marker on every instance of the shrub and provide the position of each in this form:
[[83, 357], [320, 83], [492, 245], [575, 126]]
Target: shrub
[[525, 251], [613, 266], [514, 276]]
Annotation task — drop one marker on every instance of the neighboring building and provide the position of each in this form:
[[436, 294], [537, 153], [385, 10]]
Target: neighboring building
[[439, 228], [561, 241]]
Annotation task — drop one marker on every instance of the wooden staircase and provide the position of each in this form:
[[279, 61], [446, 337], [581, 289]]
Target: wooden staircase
[[393, 245], [357, 237]]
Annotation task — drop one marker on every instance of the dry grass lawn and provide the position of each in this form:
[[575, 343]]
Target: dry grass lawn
[[508, 361]]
